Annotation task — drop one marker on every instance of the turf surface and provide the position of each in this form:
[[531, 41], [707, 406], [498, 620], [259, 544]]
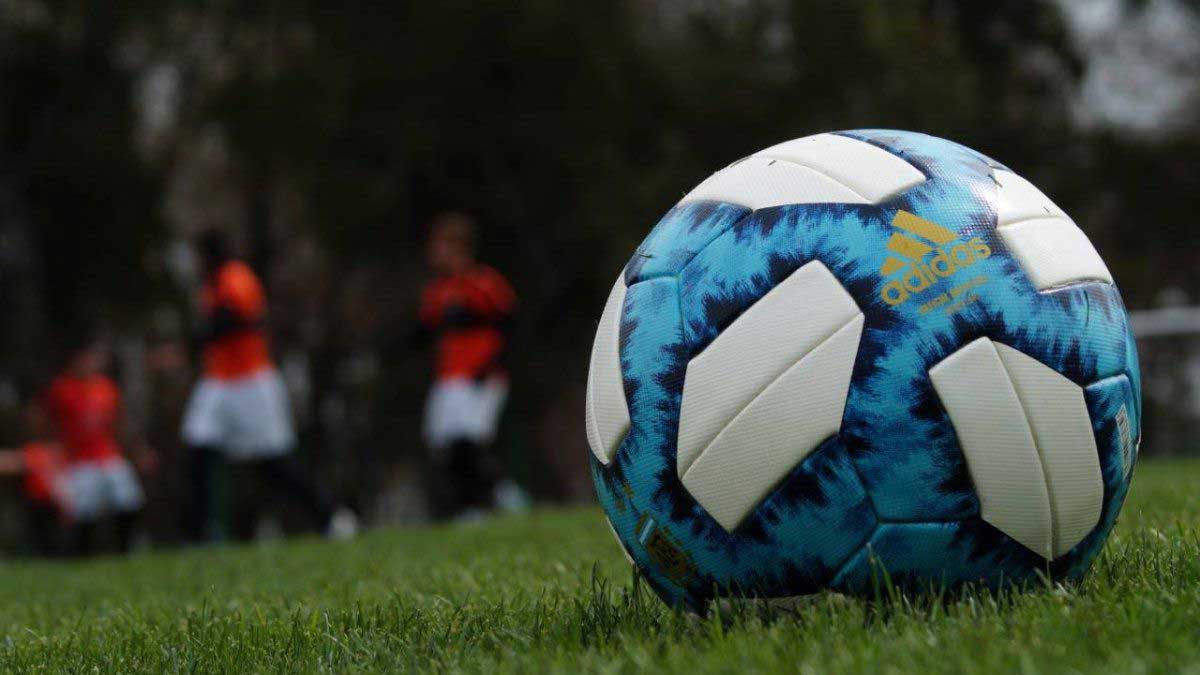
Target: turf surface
[[551, 592]]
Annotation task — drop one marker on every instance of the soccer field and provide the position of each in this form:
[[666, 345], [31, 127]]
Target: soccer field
[[551, 591]]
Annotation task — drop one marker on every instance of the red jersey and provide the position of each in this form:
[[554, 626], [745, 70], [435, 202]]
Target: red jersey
[[43, 462], [86, 412], [236, 289], [467, 311]]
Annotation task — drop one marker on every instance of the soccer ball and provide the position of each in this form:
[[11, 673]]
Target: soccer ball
[[862, 357]]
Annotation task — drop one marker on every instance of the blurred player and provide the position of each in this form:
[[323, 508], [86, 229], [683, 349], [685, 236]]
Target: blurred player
[[98, 483], [467, 307], [40, 465], [239, 409]]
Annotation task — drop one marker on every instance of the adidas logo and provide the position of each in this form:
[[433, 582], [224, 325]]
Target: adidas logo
[[922, 253]]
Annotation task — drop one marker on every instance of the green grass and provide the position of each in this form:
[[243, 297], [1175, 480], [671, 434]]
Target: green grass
[[551, 592]]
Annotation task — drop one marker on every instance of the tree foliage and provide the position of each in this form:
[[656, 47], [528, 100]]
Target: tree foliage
[[568, 128]]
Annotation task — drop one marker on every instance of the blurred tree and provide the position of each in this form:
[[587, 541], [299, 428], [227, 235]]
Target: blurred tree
[[326, 136]]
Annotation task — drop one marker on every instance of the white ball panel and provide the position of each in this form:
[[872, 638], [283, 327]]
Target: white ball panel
[[997, 443], [1017, 199], [776, 431], [767, 339], [1049, 246], [1053, 251], [1062, 431], [871, 172], [759, 183], [607, 414]]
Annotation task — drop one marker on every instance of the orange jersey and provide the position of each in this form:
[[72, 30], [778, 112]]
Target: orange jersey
[[43, 462], [235, 288], [467, 311], [86, 412]]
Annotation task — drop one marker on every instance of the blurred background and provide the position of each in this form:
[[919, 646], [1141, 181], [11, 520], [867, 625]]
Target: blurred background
[[325, 136]]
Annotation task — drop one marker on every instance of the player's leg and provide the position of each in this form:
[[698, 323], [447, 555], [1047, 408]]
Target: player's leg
[[84, 489], [204, 432], [439, 430], [286, 477], [245, 499], [202, 466], [266, 436], [42, 524], [126, 524], [472, 469], [126, 499], [83, 539], [443, 485], [479, 419], [507, 495]]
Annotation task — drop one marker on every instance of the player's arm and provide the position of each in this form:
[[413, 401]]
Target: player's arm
[[224, 321], [502, 300], [462, 316], [494, 306], [430, 319]]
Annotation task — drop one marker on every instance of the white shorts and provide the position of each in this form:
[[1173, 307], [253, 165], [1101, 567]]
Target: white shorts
[[464, 409], [92, 490], [248, 418]]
